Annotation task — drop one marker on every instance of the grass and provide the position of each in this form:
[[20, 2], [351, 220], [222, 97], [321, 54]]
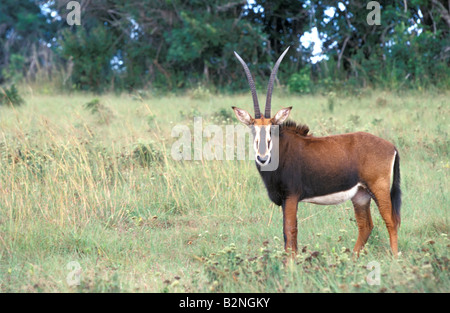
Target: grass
[[89, 193]]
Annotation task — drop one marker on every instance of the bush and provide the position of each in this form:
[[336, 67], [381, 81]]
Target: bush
[[145, 154], [91, 52], [201, 92], [223, 115], [10, 96], [96, 107], [300, 82]]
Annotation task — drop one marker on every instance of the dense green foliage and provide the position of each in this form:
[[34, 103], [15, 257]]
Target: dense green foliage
[[10, 96], [408, 48], [171, 45]]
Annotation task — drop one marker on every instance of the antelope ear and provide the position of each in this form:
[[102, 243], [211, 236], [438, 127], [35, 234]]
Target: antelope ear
[[281, 116], [243, 116]]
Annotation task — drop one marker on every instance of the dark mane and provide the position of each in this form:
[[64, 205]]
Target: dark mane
[[300, 129]]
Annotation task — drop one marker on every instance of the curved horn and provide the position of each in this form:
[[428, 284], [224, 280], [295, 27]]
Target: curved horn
[[252, 85], [270, 85]]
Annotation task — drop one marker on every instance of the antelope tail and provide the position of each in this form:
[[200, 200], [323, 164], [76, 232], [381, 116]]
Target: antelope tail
[[396, 193]]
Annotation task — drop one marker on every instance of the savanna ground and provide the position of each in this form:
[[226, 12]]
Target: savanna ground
[[91, 200]]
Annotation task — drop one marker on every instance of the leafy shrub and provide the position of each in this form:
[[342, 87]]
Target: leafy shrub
[[190, 113], [14, 71], [91, 52], [93, 105], [300, 82], [31, 158], [200, 92], [96, 107], [223, 115], [145, 154], [10, 96], [227, 266]]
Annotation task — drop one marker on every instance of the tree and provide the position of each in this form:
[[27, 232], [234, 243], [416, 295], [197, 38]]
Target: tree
[[173, 44], [91, 52], [399, 50], [23, 28], [168, 44], [283, 22]]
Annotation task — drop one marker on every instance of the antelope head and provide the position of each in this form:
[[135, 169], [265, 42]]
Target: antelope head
[[262, 125]]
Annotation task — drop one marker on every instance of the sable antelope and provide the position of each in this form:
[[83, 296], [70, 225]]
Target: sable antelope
[[324, 170]]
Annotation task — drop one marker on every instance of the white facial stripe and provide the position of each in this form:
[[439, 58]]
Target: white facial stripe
[[268, 139], [334, 198], [262, 144], [257, 138]]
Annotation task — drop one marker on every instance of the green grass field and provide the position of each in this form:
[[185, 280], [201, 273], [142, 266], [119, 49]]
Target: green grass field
[[91, 200]]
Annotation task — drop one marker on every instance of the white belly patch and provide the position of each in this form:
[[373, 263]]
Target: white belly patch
[[334, 198]]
